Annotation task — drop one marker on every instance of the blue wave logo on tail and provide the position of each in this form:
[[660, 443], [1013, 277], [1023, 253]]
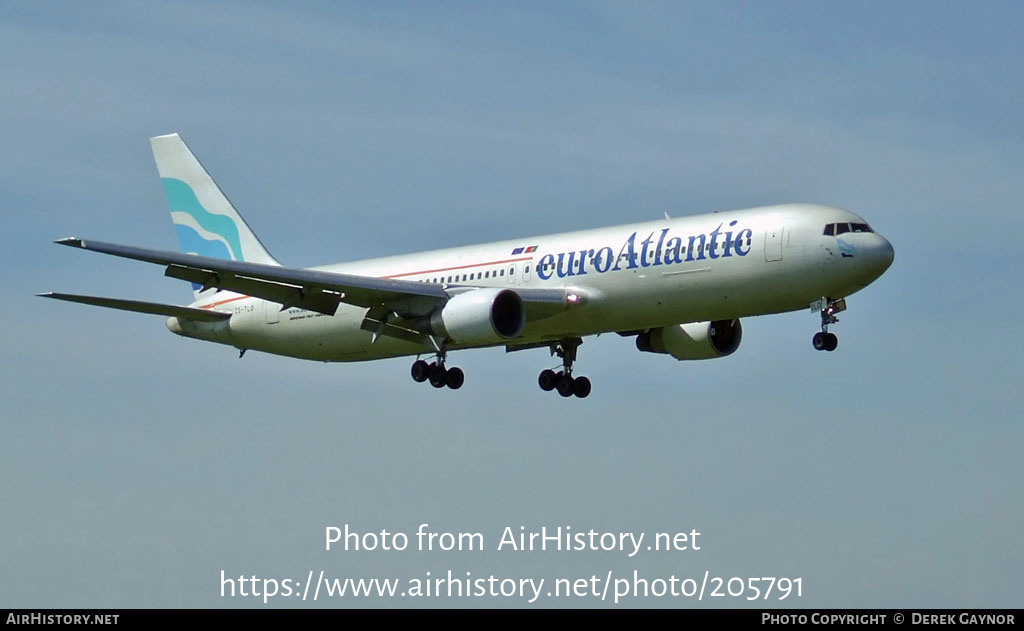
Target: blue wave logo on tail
[[182, 199]]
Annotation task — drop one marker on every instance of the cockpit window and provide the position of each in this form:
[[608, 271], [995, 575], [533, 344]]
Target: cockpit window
[[836, 229]]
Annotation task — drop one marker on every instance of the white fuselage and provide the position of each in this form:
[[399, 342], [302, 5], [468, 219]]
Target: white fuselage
[[718, 266]]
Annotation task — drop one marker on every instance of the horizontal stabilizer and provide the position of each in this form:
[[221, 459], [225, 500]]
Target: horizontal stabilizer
[[191, 313]]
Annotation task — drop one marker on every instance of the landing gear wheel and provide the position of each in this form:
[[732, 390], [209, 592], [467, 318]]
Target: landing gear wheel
[[818, 341], [581, 387], [562, 381], [438, 376], [564, 385], [455, 378], [547, 380], [420, 371], [831, 342]]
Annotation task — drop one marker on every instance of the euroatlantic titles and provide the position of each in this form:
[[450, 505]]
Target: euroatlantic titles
[[668, 250]]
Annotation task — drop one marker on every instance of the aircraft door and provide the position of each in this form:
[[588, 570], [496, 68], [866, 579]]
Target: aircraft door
[[511, 274], [273, 311], [773, 244]]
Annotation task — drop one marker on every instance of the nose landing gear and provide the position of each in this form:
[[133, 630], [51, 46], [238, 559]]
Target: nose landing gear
[[826, 341]]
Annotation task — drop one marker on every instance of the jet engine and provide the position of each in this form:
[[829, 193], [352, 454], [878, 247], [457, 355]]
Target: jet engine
[[481, 316], [695, 340]]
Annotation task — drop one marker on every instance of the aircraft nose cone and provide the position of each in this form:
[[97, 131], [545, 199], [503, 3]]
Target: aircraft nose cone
[[887, 254], [881, 255]]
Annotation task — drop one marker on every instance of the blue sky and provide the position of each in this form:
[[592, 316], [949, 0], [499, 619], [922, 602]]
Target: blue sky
[[135, 466]]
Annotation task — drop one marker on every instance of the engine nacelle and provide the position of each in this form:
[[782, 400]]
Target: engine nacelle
[[481, 316], [695, 340]]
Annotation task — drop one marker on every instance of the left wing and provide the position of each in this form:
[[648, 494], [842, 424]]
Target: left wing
[[317, 290], [309, 289]]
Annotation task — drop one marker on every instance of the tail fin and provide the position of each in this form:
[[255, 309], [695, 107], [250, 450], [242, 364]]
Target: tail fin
[[206, 222]]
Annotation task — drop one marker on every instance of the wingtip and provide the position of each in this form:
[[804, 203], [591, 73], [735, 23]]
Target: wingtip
[[46, 294], [72, 241], [161, 136]]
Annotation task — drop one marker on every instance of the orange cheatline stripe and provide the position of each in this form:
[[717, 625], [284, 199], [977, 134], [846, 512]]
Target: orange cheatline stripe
[[217, 304], [429, 271], [449, 269]]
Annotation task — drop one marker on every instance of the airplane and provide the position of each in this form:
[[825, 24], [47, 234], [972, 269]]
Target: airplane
[[678, 285]]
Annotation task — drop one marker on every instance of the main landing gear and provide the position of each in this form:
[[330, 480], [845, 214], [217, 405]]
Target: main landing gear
[[437, 374], [563, 381], [826, 341]]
